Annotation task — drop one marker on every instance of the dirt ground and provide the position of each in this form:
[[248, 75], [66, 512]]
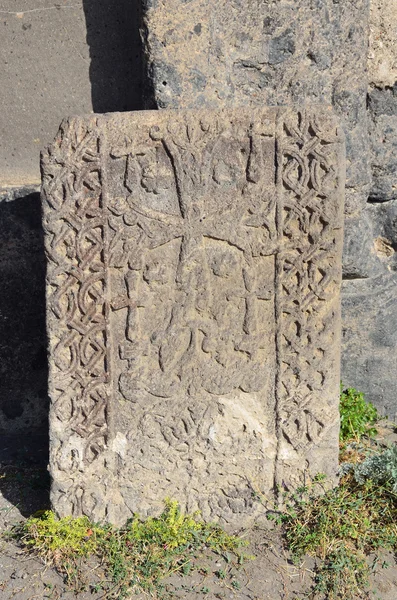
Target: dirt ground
[[270, 575]]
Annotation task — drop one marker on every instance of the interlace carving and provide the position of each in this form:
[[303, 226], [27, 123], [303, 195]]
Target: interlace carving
[[76, 296], [308, 274]]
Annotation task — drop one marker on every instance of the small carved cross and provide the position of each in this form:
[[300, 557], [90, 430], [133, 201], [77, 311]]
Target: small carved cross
[[132, 300], [253, 292]]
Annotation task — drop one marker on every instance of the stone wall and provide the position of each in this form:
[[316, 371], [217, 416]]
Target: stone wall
[[86, 58], [369, 298]]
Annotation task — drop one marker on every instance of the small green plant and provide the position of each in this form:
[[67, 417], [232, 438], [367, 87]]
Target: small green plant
[[60, 539], [357, 416], [340, 528], [343, 574], [380, 467], [136, 557], [346, 524]]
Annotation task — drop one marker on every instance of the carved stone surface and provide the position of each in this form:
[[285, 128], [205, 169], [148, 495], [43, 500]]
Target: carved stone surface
[[194, 264], [211, 53]]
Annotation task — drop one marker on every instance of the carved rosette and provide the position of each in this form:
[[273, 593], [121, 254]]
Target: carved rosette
[[73, 218]]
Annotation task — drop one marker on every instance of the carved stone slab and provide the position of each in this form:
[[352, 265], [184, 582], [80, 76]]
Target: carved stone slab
[[194, 264]]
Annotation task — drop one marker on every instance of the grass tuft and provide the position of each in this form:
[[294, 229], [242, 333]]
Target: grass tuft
[[341, 528], [136, 557], [344, 525]]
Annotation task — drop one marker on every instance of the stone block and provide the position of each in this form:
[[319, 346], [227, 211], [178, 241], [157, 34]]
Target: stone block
[[382, 106], [193, 278], [359, 259], [369, 338], [382, 64], [260, 53]]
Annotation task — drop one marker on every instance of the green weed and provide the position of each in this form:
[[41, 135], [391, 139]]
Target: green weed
[[136, 557], [357, 416], [342, 526], [60, 539]]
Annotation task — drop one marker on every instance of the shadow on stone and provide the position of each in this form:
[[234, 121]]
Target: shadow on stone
[[24, 479], [23, 358], [115, 52]]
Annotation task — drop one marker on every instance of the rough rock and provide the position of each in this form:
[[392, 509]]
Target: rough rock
[[369, 305], [382, 56], [260, 52], [193, 276], [369, 338], [369, 341], [359, 260], [382, 105]]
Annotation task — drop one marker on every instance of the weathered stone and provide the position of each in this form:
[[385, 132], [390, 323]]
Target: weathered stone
[[194, 264], [382, 63], [359, 259], [369, 340], [384, 233], [382, 105], [384, 216], [369, 347], [260, 52]]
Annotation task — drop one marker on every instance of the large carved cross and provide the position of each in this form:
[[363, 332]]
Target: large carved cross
[[233, 225]]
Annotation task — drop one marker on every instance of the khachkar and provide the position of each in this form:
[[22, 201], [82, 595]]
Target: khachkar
[[194, 263]]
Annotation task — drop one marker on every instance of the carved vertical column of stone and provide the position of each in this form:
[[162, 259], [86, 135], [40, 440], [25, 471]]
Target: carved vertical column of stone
[[75, 241], [310, 183]]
